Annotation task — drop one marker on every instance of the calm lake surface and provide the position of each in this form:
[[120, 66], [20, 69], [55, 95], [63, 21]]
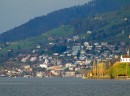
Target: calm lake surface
[[63, 87]]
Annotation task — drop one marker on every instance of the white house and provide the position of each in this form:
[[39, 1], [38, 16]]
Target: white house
[[125, 58], [33, 59], [44, 65]]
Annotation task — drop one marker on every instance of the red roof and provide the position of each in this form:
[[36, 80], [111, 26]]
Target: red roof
[[125, 56]]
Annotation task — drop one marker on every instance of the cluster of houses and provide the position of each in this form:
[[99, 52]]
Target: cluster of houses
[[49, 67], [74, 61]]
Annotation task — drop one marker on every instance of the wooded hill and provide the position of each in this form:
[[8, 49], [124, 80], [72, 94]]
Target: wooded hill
[[110, 27], [65, 16], [108, 20]]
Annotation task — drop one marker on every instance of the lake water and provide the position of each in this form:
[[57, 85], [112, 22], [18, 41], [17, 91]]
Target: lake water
[[63, 87]]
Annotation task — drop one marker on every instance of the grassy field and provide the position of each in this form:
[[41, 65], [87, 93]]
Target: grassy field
[[119, 69], [62, 31]]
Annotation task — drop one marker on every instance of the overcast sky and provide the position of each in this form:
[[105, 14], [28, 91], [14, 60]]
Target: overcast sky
[[16, 12]]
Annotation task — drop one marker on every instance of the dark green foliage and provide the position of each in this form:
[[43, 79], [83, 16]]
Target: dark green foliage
[[107, 27], [78, 54], [58, 49], [43, 24], [38, 69], [41, 52]]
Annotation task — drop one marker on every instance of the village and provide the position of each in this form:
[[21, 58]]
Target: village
[[67, 57]]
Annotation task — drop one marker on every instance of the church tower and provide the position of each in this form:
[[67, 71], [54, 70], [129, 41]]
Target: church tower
[[128, 52]]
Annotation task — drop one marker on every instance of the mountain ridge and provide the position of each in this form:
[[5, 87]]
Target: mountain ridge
[[110, 27], [65, 16]]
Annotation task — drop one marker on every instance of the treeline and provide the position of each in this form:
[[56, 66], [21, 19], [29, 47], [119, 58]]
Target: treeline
[[42, 24], [106, 27], [109, 70]]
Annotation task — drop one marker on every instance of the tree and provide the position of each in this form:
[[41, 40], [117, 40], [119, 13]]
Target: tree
[[78, 54], [58, 49], [19, 47], [101, 69], [94, 70], [111, 70]]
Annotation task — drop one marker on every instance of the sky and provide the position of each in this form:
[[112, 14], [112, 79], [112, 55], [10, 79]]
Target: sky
[[16, 12]]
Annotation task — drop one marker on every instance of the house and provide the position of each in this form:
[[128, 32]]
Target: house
[[75, 50], [86, 44], [33, 59], [56, 70], [44, 65], [72, 67], [39, 74], [70, 74], [68, 65], [125, 58], [27, 68], [89, 32], [25, 59]]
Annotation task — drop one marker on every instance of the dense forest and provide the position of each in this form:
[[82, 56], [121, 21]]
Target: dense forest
[[106, 27], [66, 16]]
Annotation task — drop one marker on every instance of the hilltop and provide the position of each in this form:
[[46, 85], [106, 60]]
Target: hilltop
[[53, 20], [110, 26], [119, 69]]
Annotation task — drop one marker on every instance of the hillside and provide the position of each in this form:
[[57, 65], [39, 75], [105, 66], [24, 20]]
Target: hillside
[[119, 69], [106, 27], [43, 24], [88, 37], [25, 46]]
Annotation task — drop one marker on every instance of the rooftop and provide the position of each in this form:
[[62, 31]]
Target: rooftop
[[125, 56]]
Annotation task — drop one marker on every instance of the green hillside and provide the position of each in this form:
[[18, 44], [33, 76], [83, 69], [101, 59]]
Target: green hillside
[[119, 69], [62, 31], [111, 26], [43, 24], [105, 27]]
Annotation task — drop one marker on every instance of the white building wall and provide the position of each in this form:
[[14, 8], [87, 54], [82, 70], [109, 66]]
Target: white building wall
[[125, 59]]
